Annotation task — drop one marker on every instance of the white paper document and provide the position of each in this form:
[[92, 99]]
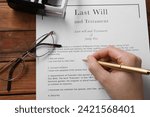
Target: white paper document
[[89, 25]]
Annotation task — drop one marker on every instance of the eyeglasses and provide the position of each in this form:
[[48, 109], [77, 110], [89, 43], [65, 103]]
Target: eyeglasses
[[44, 45]]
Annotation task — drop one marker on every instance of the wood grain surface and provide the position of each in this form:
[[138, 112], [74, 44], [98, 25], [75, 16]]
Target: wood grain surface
[[17, 33]]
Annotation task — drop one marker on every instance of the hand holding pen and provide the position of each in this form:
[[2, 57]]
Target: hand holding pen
[[118, 84]]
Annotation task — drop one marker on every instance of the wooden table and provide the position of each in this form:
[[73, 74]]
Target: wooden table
[[17, 32]]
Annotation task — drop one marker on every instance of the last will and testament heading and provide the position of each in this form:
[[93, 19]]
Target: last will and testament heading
[[93, 11]]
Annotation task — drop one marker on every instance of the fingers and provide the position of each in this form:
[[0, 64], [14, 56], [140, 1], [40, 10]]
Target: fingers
[[117, 55], [97, 70], [117, 83], [120, 56], [111, 52]]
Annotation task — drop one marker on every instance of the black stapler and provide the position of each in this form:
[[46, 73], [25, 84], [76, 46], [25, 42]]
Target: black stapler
[[43, 7]]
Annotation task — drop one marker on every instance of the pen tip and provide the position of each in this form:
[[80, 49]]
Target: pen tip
[[148, 72], [85, 60]]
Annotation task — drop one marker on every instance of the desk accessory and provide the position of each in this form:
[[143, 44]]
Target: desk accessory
[[43, 7]]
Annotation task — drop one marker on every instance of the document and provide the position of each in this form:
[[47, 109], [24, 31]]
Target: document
[[89, 25]]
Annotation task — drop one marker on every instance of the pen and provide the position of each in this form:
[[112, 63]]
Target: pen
[[123, 67]]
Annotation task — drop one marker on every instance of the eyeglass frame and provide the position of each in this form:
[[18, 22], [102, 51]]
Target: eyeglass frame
[[19, 60]]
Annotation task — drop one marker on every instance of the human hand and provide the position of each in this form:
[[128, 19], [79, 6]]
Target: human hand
[[118, 84]]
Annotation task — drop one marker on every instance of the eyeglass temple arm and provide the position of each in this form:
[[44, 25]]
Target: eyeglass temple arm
[[43, 38], [50, 44], [16, 63]]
